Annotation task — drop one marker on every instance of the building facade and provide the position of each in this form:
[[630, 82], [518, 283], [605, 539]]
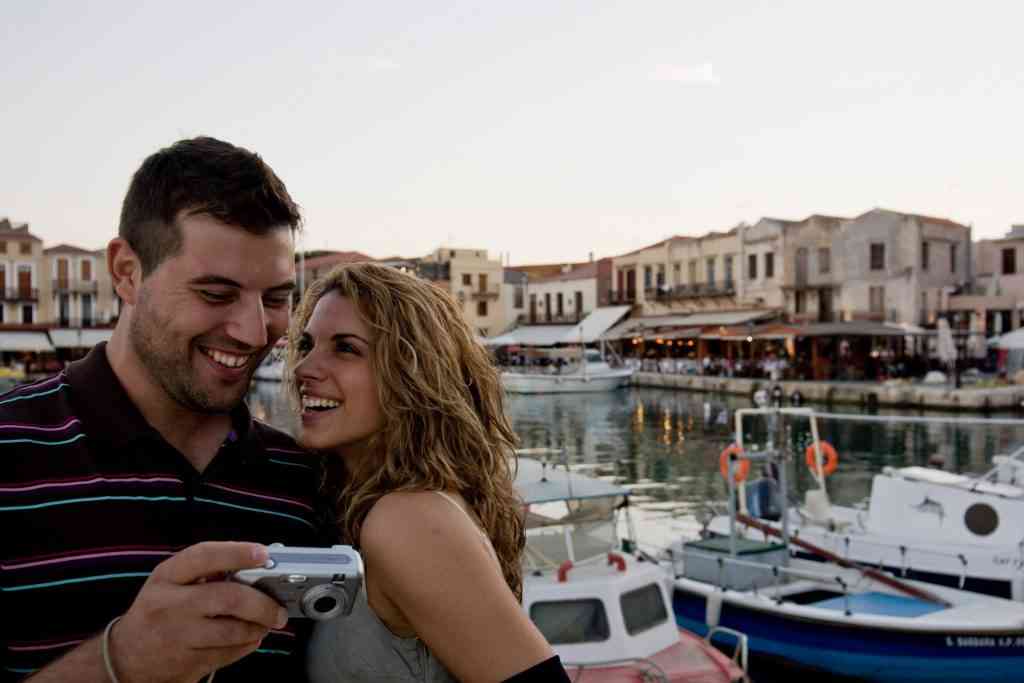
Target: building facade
[[21, 256], [474, 280], [76, 288]]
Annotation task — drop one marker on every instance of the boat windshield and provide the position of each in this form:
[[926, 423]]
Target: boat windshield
[[574, 530]]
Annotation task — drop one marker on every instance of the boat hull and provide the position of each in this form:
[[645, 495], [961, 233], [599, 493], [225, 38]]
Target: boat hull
[[522, 383], [863, 650]]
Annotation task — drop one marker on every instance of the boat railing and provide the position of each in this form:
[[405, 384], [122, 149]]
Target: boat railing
[[779, 575], [649, 670], [905, 551], [741, 653]]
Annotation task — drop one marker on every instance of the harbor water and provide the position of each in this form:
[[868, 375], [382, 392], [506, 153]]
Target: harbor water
[[664, 444]]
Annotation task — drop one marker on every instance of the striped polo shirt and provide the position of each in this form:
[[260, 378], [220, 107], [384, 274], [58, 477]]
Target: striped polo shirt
[[92, 498]]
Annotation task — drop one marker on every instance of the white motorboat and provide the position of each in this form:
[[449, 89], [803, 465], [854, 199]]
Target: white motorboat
[[272, 367], [840, 618], [591, 373], [606, 613], [926, 524]]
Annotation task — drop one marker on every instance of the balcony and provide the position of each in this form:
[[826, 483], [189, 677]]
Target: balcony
[[617, 297], [481, 293], [62, 286], [20, 294]]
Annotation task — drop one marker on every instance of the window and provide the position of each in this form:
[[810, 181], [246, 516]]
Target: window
[[924, 255], [25, 247], [647, 277], [643, 608], [483, 282], [877, 256], [517, 297], [952, 258], [579, 304], [800, 303], [824, 260], [560, 303], [876, 299], [769, 265], [3, 246], [481, 308], [2, 307], [86, 270], [693, 271], [661, 276], [571, 621], [1009, 261], [677, 273], [711, 270], [467, 279], [27, 314], [728, 270], [752, 267], [547, 306]]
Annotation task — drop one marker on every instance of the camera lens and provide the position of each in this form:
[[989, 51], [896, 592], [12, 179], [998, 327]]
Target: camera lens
[[325, 604]]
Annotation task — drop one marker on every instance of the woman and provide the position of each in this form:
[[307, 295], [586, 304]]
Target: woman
[[408, 407]]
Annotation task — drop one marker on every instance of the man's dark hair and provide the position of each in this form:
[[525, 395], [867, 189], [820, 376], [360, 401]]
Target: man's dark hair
[[201, 176]]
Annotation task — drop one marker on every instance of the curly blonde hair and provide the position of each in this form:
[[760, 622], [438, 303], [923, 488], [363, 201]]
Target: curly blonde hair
[[442, 402]]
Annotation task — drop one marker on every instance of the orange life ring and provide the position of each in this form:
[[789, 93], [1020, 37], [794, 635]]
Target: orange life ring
[[742, 467], [828, 453]]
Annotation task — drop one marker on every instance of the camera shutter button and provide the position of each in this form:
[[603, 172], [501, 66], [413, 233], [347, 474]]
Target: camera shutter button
[[269, 564], [296, 578]]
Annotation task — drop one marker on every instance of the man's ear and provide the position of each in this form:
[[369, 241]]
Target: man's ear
[[125, 270]]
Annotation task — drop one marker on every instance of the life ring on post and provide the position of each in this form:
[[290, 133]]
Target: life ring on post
[[742, 467], [828, 453]]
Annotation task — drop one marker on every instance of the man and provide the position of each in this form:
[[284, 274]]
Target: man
[[125, 479]]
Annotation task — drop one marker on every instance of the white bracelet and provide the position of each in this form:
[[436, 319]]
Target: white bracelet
[[106, 653], [106, 649]]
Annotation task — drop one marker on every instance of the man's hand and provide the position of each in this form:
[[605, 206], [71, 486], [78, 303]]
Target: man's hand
[[185, 622]]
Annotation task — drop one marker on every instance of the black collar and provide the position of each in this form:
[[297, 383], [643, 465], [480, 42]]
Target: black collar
[[109, 415]]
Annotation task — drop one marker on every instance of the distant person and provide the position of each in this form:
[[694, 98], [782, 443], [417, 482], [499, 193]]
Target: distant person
[[127, 480], [406, 407]]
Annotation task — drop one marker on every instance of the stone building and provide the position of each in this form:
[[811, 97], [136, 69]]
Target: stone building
[[900, 267], [76, 288], [997, 293], [810, 262], [571, 295], [474, 280], [681, 274], [21, 255]]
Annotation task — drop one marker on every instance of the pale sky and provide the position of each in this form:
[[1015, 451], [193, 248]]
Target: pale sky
[[542, 129]]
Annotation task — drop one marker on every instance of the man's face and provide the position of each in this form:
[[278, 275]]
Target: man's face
[[206, 317]]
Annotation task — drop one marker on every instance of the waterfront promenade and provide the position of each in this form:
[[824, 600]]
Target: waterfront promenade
[[907, 396]]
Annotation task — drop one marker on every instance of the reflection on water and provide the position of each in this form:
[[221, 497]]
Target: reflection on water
[[666, 443]]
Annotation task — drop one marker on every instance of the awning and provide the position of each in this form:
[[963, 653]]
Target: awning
[[728, 318], [669, 335], [591, 328], [74, 338], [531, 335], [24, 341], [587, 331], [851, 329]]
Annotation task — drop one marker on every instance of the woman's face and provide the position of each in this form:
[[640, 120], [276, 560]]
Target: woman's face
[[340, 406]]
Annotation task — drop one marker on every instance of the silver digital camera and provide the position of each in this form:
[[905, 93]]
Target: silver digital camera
[[318, 583]]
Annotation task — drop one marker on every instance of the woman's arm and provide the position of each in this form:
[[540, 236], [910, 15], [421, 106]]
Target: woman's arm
[[428, 560]]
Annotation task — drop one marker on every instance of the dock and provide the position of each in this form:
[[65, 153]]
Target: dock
[[868, 394]]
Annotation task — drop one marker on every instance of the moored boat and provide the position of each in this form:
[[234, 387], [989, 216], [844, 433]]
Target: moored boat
[[586, 372], [606, 613], [840, 618]]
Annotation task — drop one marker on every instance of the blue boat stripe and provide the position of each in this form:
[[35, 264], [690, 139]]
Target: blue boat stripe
[[290, 464], [95, 499], [251, 509], [41, 393], [81, 579], [76, 437]]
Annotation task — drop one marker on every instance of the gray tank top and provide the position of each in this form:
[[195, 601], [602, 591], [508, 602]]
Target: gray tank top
[[360, 647]]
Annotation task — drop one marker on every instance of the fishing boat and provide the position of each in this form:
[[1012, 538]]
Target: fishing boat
[[840, 618], [584, 370], [606, 613], [925, 524]]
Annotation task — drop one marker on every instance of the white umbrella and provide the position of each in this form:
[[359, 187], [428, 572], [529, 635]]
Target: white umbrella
[[946, 346]]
